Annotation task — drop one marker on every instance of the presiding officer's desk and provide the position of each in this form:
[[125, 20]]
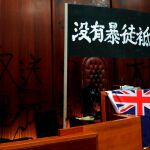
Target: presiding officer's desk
[[120, 134], [114, 132]]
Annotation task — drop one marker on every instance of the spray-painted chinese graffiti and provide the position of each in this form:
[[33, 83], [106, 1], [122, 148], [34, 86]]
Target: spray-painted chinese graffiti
[[20, 94], [107, 32], [111, 34]]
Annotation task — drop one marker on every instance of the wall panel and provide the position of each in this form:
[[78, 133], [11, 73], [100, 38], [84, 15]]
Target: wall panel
[[26, 73]]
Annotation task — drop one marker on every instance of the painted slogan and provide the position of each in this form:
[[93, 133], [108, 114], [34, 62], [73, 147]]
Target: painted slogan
[[106, 32]]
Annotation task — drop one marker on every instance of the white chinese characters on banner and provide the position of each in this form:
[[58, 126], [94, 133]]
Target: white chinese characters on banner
[[111, 34]]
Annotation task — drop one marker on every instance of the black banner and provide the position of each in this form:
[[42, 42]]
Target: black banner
[[107, 32]]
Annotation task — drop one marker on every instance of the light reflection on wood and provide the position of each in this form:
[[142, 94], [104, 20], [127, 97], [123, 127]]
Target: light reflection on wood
[[12, 133]]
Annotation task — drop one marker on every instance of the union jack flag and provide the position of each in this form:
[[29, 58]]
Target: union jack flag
[[135, 102]]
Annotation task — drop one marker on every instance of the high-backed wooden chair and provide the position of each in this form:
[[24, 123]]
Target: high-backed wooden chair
[[94, 79]]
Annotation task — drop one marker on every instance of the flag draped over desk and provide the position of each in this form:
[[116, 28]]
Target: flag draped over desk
[[136, 102]]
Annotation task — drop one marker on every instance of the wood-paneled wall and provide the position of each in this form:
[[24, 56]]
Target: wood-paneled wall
[[26, 64], [139, 5]]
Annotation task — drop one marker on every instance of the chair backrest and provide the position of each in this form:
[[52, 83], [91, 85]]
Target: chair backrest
[[94, 72]]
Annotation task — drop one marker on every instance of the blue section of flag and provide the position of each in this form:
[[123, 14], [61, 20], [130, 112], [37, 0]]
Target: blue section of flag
[[116, 92], [147, 112], [145, 125]]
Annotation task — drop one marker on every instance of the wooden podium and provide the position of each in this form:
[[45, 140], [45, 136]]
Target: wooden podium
[[120, 134], [115, 132]]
